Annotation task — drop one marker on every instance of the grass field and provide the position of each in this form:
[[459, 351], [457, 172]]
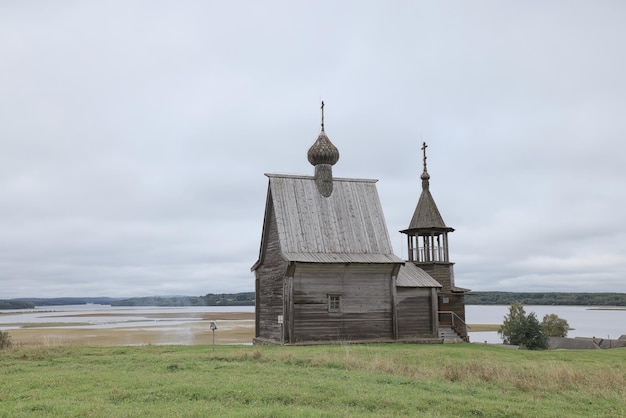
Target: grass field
[[324, 381]]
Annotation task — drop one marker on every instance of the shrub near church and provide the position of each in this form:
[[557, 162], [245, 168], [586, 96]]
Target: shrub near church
[[553, 326], [523, 330]]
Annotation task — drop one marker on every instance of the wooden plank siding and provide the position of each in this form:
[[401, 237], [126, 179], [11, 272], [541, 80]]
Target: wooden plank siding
[[415, 312], [269, 277], [448, 300], [442, 272], [366, 302], [455, 303]]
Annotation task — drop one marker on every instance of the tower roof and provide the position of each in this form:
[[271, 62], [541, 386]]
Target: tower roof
[[426, 215]]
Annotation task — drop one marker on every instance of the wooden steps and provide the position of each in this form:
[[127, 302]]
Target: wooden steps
[[449, 335]]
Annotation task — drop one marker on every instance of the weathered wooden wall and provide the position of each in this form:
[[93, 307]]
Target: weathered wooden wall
[[442, 272], [415, 312], [456, 304], [366, 302], [269, 277]]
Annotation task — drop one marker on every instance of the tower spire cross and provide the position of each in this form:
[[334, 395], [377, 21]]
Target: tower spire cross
[[424, 146], [322, 107]]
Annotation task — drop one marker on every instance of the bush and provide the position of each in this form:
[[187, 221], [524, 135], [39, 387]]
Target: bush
[[553, 326], [523, 330], [5, 340]]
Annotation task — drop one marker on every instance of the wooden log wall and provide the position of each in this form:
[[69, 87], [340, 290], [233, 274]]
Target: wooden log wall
[[415, 312], [366, 302], [269, 276], [448, 301], [442, 272], [455, 303]]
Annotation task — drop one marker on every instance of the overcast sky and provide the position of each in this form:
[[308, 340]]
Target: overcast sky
[[134, 135]]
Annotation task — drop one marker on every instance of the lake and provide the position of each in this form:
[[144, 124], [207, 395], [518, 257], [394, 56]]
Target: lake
[[107, 316], [188, 325], [587, 321], [120, 325]]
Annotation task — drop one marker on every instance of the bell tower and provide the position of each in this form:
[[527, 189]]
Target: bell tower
[[428, 249]]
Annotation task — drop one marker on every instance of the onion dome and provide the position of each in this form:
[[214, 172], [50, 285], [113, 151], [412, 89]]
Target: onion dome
[[323, 155], [323, 151]]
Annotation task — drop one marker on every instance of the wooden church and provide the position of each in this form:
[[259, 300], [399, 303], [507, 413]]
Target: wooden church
[[326, 269]]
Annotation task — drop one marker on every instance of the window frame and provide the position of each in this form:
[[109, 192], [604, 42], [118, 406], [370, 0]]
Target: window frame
[[334, 302]]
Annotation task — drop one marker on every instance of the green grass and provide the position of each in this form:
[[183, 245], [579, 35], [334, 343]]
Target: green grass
[[314, 381], [484, 327]]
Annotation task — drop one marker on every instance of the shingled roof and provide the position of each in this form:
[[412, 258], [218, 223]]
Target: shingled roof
[[412, 276], [426, 215], [346, 227]]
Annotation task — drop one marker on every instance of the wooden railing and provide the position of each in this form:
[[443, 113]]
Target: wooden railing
[[453, 315], [436, 253]]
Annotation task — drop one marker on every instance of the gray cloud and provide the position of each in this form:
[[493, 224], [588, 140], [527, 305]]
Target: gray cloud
[[134, 136]]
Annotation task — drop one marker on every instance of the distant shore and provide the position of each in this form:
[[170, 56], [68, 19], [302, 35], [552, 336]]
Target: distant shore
[[232, 328]]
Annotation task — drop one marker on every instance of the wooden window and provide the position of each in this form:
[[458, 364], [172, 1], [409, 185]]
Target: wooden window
[[334, 303]]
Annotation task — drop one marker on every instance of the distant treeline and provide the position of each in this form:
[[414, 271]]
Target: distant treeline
[[552, 298], [16, 304], [210, 299], [29, 303]]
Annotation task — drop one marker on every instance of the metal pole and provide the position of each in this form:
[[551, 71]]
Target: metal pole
[[213, 328]]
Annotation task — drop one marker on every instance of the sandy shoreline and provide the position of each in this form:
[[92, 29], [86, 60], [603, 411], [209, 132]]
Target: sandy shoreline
[[232, 328], [209, 316], [169, 328]]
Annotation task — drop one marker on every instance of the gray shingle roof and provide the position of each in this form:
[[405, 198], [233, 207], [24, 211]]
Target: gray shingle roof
[[347, 226], [342, 258], [572, 343], [412, 276], [426, 215]]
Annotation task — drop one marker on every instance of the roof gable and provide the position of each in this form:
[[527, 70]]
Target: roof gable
[[426, 214], [350, 221]]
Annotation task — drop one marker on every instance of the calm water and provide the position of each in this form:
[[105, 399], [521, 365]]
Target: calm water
[[586, 321], [115, 316]]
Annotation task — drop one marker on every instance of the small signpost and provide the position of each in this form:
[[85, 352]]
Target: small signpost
[[213, 328]]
